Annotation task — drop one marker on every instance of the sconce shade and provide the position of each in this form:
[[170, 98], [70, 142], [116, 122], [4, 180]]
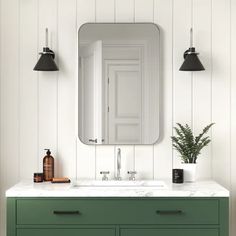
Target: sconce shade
[[46, 61], [191, 62]]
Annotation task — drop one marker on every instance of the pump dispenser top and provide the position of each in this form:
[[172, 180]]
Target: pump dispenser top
[[48, 151]]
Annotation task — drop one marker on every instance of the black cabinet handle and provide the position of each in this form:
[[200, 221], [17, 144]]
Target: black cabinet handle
[[66, 212], [169, 212]]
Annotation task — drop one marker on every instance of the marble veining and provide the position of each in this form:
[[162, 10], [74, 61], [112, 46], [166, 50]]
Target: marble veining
[[198, 189]]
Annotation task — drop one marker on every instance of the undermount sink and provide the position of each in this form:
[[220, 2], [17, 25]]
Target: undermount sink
[[121, 183]]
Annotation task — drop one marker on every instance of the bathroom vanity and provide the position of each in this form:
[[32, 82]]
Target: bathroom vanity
[[47, 209]]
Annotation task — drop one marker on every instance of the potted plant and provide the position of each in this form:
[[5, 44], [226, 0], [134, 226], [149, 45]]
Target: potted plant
[[189, 148]]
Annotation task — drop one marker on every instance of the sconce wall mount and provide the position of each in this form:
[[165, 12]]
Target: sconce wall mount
[[191, 60], [46, 61]]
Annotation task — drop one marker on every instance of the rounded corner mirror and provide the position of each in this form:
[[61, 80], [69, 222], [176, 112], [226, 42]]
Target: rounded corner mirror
[[118, 83]]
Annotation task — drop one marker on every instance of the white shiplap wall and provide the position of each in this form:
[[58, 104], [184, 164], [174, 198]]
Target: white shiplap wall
[[39, 110]]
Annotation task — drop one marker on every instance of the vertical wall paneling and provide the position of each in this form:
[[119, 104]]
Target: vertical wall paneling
[[233, 117], [2, 216], [221, 91], [105, 155], [28, 88], [10, 90], [144, 153], [48, 94], [144, 161], [144, 10], [105, 10], [182, 81], [86, 161], [67, 60], [201, 105], [105, 160], [163, 150], [9, 101], [124, 12]]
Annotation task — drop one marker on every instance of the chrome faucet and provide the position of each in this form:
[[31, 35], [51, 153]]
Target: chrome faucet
[[118, 167]]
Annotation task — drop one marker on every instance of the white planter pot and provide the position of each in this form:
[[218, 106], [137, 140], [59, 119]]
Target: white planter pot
[[190, 172]]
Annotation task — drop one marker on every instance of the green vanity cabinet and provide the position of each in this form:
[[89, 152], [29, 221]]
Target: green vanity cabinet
[[169, 232], [104, 216], [65, 232]]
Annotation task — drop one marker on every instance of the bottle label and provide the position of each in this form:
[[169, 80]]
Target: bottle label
[[48, 172]]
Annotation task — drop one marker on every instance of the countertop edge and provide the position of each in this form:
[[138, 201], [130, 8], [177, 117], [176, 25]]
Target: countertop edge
[[204, 189]]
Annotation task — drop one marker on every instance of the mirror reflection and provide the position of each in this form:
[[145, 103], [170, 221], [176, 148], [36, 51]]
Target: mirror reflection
[[118, 87]]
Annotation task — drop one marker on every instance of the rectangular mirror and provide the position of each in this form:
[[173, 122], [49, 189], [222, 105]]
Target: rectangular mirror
[[118, 87]]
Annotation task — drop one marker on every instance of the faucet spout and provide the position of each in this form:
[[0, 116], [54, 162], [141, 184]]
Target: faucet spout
[[118, 176]]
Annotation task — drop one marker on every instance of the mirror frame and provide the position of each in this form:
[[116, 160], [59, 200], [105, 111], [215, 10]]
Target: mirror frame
[[159, 83]]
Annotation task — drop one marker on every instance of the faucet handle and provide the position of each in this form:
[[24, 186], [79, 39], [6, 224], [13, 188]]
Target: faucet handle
[[132, 175], [104, 173]]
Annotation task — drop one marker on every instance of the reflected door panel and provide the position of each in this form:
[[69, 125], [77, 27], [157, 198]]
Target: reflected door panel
[[91, 64], [124, 113]]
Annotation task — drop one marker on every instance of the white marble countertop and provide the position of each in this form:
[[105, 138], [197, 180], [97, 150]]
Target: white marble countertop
[[46, 189]]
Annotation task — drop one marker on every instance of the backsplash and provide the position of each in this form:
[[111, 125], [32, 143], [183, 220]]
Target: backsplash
[[39, 110]]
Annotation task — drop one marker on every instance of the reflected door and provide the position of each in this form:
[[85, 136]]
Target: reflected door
[[124, 103], [91, 74]]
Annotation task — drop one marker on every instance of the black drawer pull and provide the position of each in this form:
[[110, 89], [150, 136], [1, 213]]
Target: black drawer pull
[[169, 212], [66, 212]]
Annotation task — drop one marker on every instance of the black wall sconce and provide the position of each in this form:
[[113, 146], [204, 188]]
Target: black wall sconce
[[191, 60], [46, 61]]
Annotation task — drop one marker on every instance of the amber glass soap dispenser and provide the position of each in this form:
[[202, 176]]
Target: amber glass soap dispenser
[[48, 166]]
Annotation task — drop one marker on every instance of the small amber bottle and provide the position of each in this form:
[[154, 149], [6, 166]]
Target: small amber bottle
[[48, 166]]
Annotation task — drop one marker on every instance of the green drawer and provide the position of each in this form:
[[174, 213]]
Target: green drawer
[[117, 211], [169, 232], [66, 232]]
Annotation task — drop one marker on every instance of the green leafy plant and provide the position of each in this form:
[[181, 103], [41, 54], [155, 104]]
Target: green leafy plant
[[188, 145]]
